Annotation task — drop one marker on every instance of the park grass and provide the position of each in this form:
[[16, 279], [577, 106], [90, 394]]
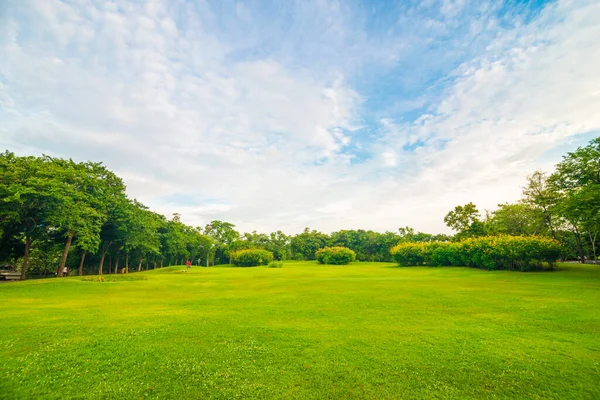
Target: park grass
[[367, 330]]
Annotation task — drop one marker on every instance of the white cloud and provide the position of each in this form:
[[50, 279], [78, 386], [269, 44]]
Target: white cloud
[[176, 106], [532, 90]]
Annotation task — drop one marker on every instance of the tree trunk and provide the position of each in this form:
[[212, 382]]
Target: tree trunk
[[161, 262], [110, 263], [101, 263], [140, 264], [117, 265], [81, 263], [593, 241], [63, 259], [104, 250], [154, 264], [548, 219], [127, 262], [579, 245], [26, 256], [147, 261]]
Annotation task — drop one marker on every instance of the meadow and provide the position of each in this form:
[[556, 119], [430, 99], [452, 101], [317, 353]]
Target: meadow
[[366, 330]]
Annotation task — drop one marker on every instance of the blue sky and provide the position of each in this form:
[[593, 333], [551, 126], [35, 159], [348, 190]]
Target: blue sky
[[281, 115]]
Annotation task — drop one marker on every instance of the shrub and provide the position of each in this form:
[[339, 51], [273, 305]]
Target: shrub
[[335, 255], [410, 253], [251, 257], [276, 264], [524, 253]]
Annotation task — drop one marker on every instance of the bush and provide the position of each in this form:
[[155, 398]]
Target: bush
[[276, 264], [524, 253], [410, 253], [335, 255], [251, 257]]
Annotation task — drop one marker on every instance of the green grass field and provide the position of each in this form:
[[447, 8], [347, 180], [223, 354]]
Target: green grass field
[[368, 330]]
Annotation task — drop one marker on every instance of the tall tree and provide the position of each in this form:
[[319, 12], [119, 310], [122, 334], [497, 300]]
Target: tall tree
[[79, 209], [224, 235], [466, 221], [517, 219], [576, 183], [27, 192], [541, 196]]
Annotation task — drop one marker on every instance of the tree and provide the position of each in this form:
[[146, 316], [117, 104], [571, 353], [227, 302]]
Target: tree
[[305, 244], [540, 196], [516, 219], [27, 190], [205, 246], [465, 220], [279, 245], [141, 231], [579, 168], [114, 230], [576, 184], [223, 235], [88, 242], [174, 242], [79, 209], [359, 241]]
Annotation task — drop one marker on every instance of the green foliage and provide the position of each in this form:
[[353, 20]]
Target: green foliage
[[335, 255], [276, 264], [368, 245], [409, 253], [466, 221], [251, 257], [280, 245], [576, 184], [407, 234], [541, 197], [225, 238], [579, 168], [524, 253], [305, 244], [461, 218], [516, 219]]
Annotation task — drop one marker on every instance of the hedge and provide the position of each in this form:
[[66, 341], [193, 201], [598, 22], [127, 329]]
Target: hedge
[[251, 257], [523, 253], [336, 255]]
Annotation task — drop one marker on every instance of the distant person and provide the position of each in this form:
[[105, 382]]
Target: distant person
[[188, 264], [65, 271], [57, 272]]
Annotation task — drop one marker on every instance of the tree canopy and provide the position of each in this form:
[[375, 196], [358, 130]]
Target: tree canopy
[[57, 213]]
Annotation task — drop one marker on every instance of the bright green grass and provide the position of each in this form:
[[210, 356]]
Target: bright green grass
[[369, 330]]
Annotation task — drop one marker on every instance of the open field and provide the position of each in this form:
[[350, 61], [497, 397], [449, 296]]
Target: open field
[[368, 330]]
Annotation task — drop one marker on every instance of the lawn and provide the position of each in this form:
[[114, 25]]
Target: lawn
[[368, 330]]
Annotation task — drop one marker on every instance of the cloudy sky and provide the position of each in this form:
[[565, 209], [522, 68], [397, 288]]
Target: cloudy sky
[[286, 114]]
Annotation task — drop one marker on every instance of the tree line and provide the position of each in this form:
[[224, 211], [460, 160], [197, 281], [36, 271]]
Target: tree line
[[57, 213], [563, 205]]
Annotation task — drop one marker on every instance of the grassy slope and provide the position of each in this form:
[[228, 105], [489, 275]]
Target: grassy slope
[[305, 331]]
